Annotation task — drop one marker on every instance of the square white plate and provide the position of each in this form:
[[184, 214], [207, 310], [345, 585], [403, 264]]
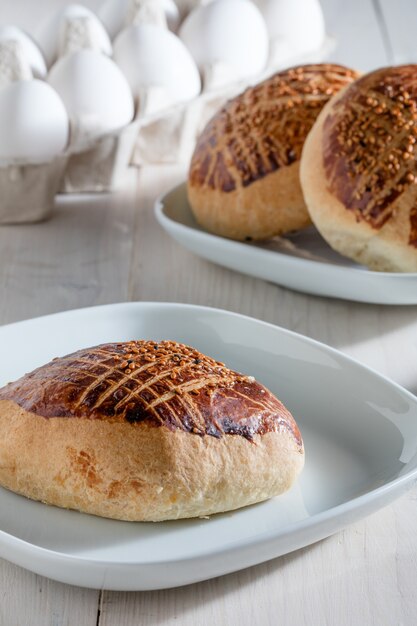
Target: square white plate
[[359, 429], [302, 261]]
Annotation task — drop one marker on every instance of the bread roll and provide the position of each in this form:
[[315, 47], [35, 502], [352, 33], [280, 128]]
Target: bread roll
[[145, 431], [359, 170], [244, 176]]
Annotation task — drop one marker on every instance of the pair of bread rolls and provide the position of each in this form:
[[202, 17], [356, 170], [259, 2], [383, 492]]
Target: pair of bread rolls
[[316, 143]]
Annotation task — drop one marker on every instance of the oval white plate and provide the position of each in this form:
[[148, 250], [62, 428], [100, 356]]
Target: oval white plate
[[303, 262], [359, 429]]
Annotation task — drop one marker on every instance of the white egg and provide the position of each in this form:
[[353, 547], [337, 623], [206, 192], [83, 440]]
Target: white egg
[[30, 49], [115, 13], [34, 126], [95, 93], [151, 57], [298, 24], [227, 32], [50, 31]]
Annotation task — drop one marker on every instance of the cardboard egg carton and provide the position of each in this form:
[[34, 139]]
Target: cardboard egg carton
[[161, 132], [103, 165], [28, 190], [165, 136]]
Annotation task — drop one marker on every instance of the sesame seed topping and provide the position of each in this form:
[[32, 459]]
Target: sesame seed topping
[[264, 128], [369, 139]]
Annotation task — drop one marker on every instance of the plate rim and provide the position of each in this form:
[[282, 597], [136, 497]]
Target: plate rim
[[163, 219], [403, 482], [263, 538]]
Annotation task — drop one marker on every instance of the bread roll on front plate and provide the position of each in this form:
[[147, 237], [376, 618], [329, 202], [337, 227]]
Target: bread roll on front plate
[[243, 181], [359, 170], [145, 431]]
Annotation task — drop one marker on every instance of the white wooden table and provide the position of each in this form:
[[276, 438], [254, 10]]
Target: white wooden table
[[108, 249]]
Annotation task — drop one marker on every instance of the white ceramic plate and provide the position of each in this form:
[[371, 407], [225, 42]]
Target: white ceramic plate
[[359, 429], [303, 262]]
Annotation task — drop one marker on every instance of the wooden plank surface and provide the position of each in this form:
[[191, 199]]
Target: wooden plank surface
[[79, 257], [356, 577], [109, 248], [30, 600]]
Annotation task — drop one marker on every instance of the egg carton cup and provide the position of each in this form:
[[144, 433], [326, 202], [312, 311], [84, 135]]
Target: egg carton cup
[[101, 166], [169, 135], [28, 190]]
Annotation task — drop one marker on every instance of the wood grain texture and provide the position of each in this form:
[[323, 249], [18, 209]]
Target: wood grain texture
[[80, 256], [352, 578], [30, 600], [109, 248]]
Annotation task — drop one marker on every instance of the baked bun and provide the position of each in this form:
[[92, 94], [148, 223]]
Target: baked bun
[[359, 170], [244, 175], [145, 431]]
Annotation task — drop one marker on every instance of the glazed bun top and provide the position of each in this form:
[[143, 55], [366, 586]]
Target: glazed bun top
[[369, 147], [154, 384], [264, 128]]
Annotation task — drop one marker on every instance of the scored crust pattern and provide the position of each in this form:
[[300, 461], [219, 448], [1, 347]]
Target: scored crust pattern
[[264, 128], [159, 383], [369, 146]]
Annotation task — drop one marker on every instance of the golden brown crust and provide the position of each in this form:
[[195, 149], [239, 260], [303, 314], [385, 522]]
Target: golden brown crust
[[264, 128], [145, 431], [369, 140], [255, 140], [359, 172], [161, 383]]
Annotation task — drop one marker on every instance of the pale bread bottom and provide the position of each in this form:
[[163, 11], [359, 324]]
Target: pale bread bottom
[[138, 472], [273, 205]]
